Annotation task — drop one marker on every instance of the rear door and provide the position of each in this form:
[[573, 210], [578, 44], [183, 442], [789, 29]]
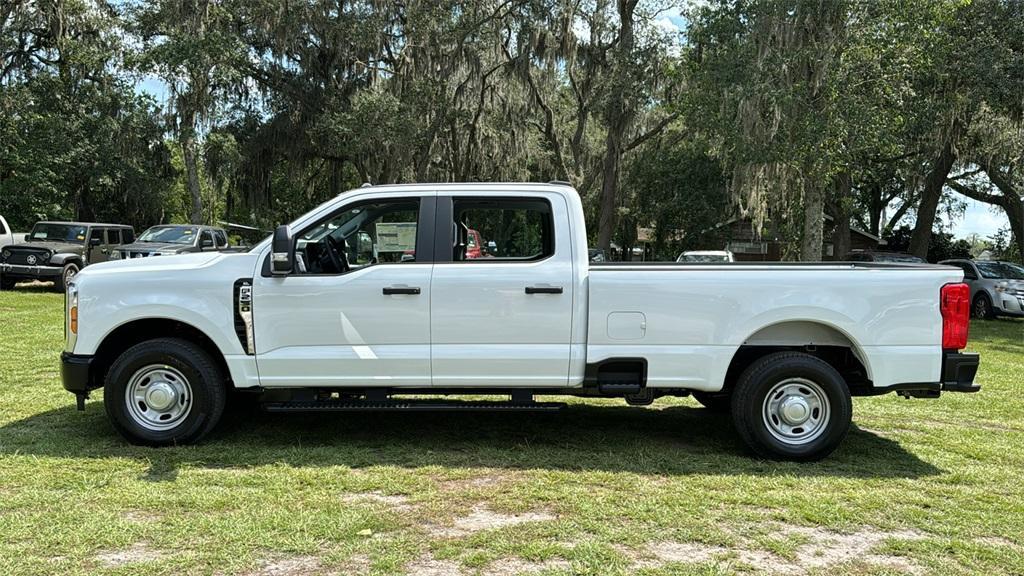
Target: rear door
[[502, 317]]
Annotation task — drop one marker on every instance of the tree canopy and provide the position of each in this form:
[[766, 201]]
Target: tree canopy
[[669, 117]]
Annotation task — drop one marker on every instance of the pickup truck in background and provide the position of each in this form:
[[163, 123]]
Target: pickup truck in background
[[7, 236], [309, 321], [169, 239]]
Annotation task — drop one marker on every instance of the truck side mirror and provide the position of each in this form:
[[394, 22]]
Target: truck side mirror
[[95, 241], [27, 237], [206, 243], [282, 252]]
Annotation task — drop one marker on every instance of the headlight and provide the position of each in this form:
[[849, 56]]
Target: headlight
[[72, 308], [6, 254], [115, 254]]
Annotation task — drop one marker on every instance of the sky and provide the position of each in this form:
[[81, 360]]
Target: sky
[[979, 219]]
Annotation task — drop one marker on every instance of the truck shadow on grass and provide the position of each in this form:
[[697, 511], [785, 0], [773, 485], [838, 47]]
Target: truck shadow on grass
[[676, 440]]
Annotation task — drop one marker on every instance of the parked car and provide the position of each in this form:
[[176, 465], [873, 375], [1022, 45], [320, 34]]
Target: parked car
[[167, 337], [57, 251], [706, 256], [997, 288], [882, 256], [168, 239], [8, 236]]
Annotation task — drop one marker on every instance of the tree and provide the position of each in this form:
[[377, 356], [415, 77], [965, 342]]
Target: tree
[[186, 44]]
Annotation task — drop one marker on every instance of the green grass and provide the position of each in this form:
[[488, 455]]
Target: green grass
[[931, 486]]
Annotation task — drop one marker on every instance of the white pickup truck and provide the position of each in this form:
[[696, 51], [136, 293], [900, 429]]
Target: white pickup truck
[[7, 236], [378, 294]]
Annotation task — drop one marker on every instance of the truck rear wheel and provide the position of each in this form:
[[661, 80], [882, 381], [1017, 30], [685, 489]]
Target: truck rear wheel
[[164, 391], [792, 406]]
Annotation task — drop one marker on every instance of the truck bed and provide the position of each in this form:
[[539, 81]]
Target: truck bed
[[689, 328]]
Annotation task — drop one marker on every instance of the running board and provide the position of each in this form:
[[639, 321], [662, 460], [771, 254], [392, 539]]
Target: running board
[[410, 406]]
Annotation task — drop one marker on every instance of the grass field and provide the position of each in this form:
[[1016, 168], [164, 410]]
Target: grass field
[[919, 487]]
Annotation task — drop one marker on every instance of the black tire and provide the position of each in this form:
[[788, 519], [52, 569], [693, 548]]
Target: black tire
[[69, 272], [7, 283], [202, 378], [775, 374], [982, 307], [718, 403]]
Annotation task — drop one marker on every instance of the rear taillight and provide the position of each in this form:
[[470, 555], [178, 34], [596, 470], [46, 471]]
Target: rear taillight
[[955, 305]]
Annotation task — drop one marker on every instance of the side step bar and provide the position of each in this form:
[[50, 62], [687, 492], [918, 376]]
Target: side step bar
[[410, 406]]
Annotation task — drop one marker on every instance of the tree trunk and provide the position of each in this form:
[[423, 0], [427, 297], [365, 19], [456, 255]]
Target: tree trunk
[[814, 214], [1015, 212], [188, 152], [841, 216], [609, 189], [930, 196], [619, 115]]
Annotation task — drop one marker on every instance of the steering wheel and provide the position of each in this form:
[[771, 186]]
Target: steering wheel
[[335, 251]]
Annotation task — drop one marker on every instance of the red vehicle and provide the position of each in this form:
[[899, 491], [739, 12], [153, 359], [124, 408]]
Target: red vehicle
[[474, 245]]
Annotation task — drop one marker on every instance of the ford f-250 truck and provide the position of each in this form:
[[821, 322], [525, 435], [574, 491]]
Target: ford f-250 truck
[[311, 322]]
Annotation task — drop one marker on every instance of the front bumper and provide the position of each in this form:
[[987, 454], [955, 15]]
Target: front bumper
[[25, 271], [76, 373], [1011, 305]]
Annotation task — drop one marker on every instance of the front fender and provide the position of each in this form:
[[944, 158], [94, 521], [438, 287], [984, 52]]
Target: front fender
[[113, 294], [63, 258]]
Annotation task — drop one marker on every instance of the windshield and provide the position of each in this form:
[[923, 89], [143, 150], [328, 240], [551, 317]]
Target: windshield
[[1001, 270], [704, 258], [170, 234], [58, 232]]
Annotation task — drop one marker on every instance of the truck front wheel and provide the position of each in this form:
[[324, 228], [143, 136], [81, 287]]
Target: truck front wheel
[[791, 406], [164, 391]]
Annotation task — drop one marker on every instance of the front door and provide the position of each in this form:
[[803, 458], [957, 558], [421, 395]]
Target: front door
[[356, 311], [502, 292]]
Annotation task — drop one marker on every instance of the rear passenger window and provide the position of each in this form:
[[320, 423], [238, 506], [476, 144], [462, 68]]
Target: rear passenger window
[[220, 238], [113, 236], [127, 236], [502, 230]]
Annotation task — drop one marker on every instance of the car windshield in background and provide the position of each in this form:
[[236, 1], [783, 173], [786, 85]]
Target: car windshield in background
[[170, 234], [1000, 270], [704, 258], [58, 233], [901, 258]]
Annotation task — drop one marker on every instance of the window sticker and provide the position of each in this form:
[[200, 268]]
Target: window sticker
[[396, 236]]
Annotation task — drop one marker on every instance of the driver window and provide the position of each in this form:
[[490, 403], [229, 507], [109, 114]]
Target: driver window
[[364, 235]]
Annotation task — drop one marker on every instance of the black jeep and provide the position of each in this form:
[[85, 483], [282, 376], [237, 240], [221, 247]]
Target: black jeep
[[58, 250]]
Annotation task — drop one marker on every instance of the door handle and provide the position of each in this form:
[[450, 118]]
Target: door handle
[[543, 289], [391, 290]]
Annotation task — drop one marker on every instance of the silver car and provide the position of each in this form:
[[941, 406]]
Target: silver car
[[997, 288]]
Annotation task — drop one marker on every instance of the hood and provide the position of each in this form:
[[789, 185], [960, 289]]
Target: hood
[[154, 247], [132, 266], [55, 247]]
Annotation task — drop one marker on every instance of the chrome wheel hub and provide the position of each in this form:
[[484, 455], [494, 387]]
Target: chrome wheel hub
[[796, 411], [158, 397]]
